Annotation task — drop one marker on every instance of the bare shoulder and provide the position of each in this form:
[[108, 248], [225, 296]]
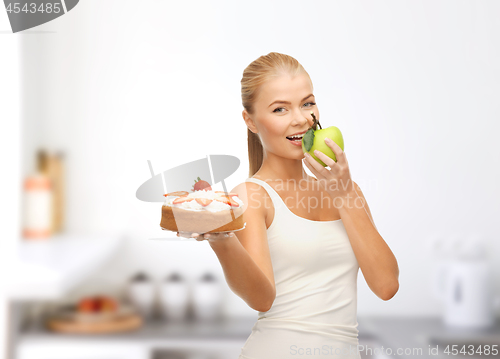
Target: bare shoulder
[[254, 197]]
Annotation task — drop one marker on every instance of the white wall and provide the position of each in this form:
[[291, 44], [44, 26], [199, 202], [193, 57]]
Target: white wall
[[412, 85], [11, 173]]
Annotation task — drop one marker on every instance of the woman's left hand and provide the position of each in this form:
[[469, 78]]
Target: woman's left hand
[[336, 180]]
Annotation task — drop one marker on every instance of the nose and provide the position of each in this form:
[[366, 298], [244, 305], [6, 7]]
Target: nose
[[300, 120]]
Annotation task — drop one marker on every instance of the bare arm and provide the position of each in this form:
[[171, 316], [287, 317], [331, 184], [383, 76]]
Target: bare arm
[[244, 255], [376, 260]]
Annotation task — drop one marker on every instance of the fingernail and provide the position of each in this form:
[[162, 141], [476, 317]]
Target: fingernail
[[316, 152], [327, 140], [207, 235], [307, 154]]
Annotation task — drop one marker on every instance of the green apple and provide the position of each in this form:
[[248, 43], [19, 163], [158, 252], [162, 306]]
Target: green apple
[[315, 140]]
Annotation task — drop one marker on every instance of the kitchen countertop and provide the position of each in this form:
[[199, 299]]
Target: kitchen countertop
[[408, 333], [225, 334], [158, 329]]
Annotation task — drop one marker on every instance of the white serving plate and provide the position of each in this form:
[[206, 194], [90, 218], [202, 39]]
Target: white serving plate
[[190, 239]]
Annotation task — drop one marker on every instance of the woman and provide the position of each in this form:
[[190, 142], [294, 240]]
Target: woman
[[296, 262]]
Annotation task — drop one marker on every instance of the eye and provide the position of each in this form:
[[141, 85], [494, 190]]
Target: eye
[[278, 108], [310, 103]]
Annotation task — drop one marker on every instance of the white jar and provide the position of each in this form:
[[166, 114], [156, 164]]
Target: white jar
[[174, 297], [141, 292], [207, 298]]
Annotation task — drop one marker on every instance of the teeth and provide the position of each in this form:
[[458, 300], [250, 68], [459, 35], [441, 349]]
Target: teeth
[[296, 137]]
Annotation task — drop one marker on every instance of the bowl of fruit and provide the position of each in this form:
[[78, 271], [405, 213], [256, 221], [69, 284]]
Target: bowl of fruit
[[94, 315], [94, 309]]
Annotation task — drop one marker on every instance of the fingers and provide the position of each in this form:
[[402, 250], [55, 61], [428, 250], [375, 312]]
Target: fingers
[[218, 236], [314, 166], [199, 237], [326, 160], [339, 153], [205, 236], [188, 235]]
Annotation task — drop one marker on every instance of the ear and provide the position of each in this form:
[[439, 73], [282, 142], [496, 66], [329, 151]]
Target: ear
[[249, 122]]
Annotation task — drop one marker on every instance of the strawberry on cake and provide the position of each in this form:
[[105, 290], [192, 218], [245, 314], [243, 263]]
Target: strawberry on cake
[[202, 211]]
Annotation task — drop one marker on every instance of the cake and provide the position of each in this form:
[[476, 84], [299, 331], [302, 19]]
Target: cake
[[202, 211]]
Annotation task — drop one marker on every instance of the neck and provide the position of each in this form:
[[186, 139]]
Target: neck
[[279, 168]]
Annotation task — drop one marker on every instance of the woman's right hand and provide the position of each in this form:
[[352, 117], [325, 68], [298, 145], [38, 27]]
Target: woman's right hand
[[205, 236]]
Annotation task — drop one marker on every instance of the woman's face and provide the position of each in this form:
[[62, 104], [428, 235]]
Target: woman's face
[[283, 108]]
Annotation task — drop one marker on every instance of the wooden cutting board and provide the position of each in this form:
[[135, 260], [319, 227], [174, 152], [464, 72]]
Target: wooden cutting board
[[112, 325]]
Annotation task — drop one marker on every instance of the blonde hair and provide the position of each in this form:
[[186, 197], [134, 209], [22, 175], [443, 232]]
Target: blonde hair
[[257, 73]]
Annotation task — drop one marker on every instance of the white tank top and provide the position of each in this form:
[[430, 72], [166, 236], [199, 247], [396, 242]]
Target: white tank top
[[314, 314]]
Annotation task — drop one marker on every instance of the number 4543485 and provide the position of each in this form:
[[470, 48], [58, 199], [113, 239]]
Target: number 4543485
[[472, 350], [32, 8]]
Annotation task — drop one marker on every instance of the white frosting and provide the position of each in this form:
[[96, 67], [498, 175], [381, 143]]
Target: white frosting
[[214, 206]]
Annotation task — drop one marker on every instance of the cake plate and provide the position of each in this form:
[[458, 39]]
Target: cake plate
[[189, 239]]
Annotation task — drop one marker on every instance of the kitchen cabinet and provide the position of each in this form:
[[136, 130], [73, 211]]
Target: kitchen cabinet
[[405, 337], [81, 350], [380, 337], [47, 270], [220, 339]]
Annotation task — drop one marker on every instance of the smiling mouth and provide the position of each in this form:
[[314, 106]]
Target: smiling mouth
[[295, 137]]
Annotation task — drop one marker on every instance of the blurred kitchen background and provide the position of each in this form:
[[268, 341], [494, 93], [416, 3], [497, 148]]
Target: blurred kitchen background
[[89, 98]]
